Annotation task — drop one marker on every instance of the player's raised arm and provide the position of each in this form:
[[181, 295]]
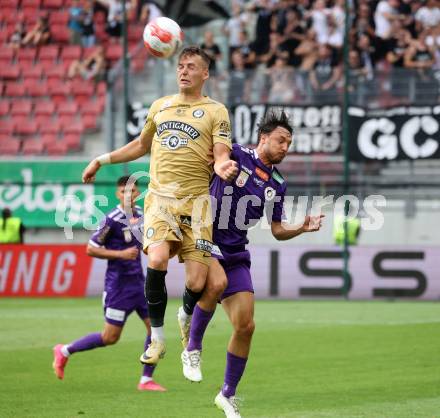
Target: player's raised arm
[[284, 231], [224, 167]]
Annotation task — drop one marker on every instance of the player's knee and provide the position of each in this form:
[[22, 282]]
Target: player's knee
[[245, 328], [217, 287], [157, 261], [110, 338], [195, 282]]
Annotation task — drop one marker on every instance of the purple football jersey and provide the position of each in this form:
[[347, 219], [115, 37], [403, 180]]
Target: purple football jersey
[[116, 232], [240, 204]]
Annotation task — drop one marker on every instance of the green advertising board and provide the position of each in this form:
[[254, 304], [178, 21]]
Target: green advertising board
[[51, 194]]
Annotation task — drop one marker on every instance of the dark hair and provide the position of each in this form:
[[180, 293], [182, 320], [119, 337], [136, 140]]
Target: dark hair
[[195, 50], [273, 120], [122, 181], [6, 213]]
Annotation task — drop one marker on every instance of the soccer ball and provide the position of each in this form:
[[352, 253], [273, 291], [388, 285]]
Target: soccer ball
[[163, 37]]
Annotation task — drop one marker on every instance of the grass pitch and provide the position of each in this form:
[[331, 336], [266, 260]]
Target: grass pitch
[[309, 359]]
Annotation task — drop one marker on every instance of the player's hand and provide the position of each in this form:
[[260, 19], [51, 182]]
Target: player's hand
[[89, 173], [227, 170], [129, 253], [312, 223]]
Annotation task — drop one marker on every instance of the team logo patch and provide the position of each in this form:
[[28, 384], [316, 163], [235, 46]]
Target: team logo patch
[[269, 193], [198, 113], [242, 179], [174, 141], [150, 232], [204, 245], [127, 234], [180, 111], [262, 174], [115, 314], [224, 129]]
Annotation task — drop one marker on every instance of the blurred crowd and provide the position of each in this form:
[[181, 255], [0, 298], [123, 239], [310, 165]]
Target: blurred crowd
[[298, 44]]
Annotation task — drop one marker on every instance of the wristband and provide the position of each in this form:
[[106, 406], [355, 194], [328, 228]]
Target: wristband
[[104, 159]]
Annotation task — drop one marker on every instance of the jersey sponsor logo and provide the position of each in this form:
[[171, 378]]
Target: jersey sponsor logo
[[248, 170], [204, 245], [269, 193], [242, 179], [224, 129], [115, 314], [277, 177], [175, 125], [150, 232], [174, 141], [127, 234], [198, 113], [216, 251], [258, 182], [262, 174]]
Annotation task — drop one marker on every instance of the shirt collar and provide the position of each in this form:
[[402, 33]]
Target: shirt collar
[[255, 152]]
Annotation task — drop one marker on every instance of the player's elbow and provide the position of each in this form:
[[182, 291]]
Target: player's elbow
[[90, 250]]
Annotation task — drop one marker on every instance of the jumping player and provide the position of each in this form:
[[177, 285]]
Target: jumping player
[[115, 241], [240, 205], [182, 131]]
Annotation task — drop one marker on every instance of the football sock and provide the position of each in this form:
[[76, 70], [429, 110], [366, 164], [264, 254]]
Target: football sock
[[199, 323], [89, 342], [190, 300], [156, 295], [234, 370], [148, 368], [157, 334]]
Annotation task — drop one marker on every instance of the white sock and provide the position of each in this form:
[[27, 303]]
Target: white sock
[[157, 334], [183, 316], [145, 379], [65, 351]]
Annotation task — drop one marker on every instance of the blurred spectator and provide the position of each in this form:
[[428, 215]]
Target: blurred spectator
[[238, 80], [263, 9], [386, 12], [75, 16], [293, 35], [277, 49], [308, 51], [281, 82], [11, 228], [324, 75], [234, 26], [87, 25], [428, 16], [146, 11], [17, 36], [368, 54], [247, 50], [39, 34], [92, 67], [114, 16], [363, 23], [214, 53], [319, 21]]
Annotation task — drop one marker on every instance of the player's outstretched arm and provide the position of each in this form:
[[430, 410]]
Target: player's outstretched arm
[[129, 152], [224, 167], [284, 231], [101, 252]]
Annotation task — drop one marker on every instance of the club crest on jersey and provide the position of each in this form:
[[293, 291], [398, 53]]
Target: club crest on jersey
[[242, 179], [198, 113], [174, 141], [180, 111], [127, 234], [150, 232], [269, 193]]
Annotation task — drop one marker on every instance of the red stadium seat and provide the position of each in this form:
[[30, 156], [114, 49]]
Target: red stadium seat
[[59, 88], [26, 57], [57, 148], [6, 127], [135, 32], [10, 72], [31, 3], [48, 139], [44, 108], [13, 4], [56, 72], [90, 122], [15, 89], [12, 16], [32, 71], [71, 52], [59, 17], [48, 53], [31, 15], [49, 126], [60, 33], [53, 4], [73, 142], [91, 107], [32, 147], [21, 107], [25, 126], [4, 107], [10, 146], [113, 52], [101, 89], [83, 88], [90, 51], [67, 109], [36, 89], [6, 53], [72, 126]]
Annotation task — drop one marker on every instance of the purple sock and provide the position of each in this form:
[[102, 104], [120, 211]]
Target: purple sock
[[148, 368], [199, 323], [234, 370], [89, 342]]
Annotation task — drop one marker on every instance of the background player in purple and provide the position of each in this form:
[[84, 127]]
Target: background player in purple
[[116, 241], [240, 205]]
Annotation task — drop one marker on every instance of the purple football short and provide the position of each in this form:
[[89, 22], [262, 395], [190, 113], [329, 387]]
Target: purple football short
[[118, 305], [237, 268]]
